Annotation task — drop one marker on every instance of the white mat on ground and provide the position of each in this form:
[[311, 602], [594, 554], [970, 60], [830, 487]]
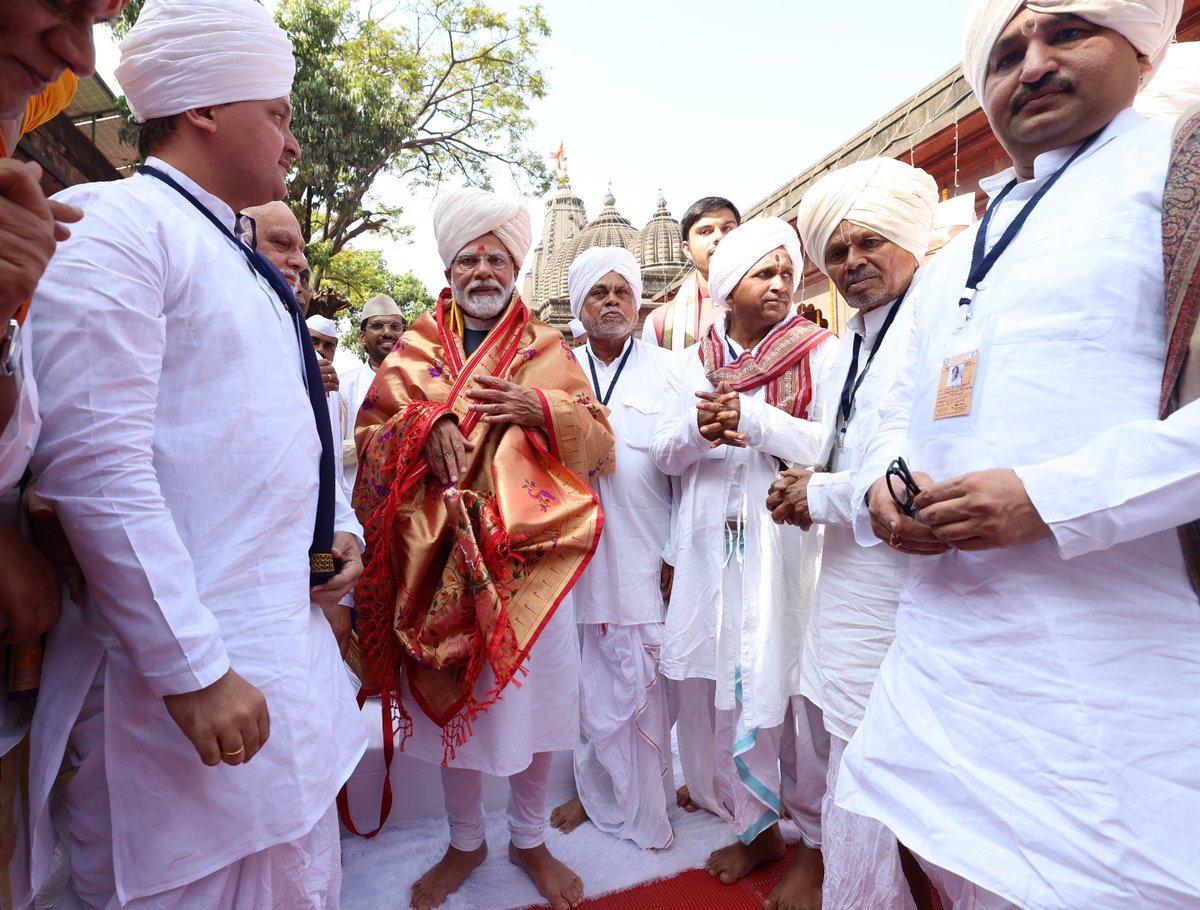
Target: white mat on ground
[[380, 872]]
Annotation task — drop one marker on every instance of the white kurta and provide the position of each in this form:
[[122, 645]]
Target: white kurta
[[1033, 726], [20, 434], [622, 764], [854, 619], [777, 572], [354, 382], [179, 446], [620, 584]]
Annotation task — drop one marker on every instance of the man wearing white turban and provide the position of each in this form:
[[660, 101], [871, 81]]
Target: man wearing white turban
[[623, 760], [477, 445], [866, 226], [742, 405], [193, 531], [1024, 735]]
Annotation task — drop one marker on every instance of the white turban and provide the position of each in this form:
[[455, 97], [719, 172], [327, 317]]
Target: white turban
[[461, 216], [593, 264], [1149, 25], [185, 54], [881, 194], [742, 247], [1176, 86], [322, 325]]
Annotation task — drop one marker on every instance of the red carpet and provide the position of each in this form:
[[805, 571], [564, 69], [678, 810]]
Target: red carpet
[[697, 890]]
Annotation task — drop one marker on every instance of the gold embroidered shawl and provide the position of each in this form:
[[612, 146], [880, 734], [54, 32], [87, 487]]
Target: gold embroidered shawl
[[464, 574]]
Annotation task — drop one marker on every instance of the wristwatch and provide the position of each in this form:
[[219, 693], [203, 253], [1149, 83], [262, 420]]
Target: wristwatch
[[10, 348]]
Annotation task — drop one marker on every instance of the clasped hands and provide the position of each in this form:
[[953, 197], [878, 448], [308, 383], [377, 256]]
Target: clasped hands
[[497, 401], [717, 415]]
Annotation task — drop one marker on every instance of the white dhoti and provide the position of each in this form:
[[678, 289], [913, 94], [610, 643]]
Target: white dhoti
[[622, 770], [302, 874], [778, 766], [959, 894], [705, 739], [862, 858]]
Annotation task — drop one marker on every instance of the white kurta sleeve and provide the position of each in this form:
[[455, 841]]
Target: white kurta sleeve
[[103, 296], [1130, 481], [677, 443], [21, 432], [774, 432], [830, 498], [898, 350]]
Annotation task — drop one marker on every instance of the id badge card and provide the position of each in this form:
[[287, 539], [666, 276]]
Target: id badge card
[[956, 385]]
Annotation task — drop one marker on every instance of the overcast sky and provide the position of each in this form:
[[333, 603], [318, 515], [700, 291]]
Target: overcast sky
[[704, 98]]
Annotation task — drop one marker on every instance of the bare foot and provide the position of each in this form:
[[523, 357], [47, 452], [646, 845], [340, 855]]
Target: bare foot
[[683, 799], [445, 876], [800, 888], [554, 881], [738, 860], [569, 816]]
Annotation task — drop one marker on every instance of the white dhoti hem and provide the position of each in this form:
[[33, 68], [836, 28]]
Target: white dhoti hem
[[621, 764], [862, 857], [705, 739]]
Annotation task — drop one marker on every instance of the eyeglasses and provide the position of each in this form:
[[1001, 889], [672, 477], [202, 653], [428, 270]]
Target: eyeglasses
[[397, 327], [468, 262], [900, 471]]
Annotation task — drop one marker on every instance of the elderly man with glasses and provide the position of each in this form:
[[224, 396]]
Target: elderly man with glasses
[[477, 443]]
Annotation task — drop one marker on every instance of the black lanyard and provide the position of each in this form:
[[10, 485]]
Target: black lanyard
[[321, 564], [853, 378], [606, 396], [981, 264]]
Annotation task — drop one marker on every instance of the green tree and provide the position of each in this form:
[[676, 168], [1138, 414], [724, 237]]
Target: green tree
[[443, 96], [361, 274]]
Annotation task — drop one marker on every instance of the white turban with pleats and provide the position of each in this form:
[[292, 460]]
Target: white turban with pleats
[[883, 195], [460, 216], [1176, 86], [1149, 25], [185, 54], [742, 247], [593, 264]]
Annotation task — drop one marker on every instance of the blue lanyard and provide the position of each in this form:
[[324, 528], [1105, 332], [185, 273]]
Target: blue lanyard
[[605, 397], [981, 264], [853, 379], [321, 562]]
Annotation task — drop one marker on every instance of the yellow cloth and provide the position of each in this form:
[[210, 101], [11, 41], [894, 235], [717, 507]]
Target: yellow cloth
[[462, 575], [42, 108]]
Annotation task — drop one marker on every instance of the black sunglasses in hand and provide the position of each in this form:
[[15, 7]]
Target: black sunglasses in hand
[[899, 470]]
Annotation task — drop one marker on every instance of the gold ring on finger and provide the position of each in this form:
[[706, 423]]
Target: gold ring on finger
[[232, 754]]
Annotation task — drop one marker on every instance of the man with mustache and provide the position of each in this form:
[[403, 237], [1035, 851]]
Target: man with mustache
[[381, 324], [623, 760], [197, 692], [1030, 735], [477, 443], [742, 404], [866, 226]]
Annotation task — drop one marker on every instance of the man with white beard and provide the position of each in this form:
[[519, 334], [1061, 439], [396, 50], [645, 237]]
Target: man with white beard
[[472, 442], [623, 760]]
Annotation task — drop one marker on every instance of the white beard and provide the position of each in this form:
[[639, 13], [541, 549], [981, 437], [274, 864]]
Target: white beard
[[482, 306]]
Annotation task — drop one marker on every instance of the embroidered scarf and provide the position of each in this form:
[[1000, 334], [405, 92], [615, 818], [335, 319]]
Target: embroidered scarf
[[780, 362], [1181, 261]]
